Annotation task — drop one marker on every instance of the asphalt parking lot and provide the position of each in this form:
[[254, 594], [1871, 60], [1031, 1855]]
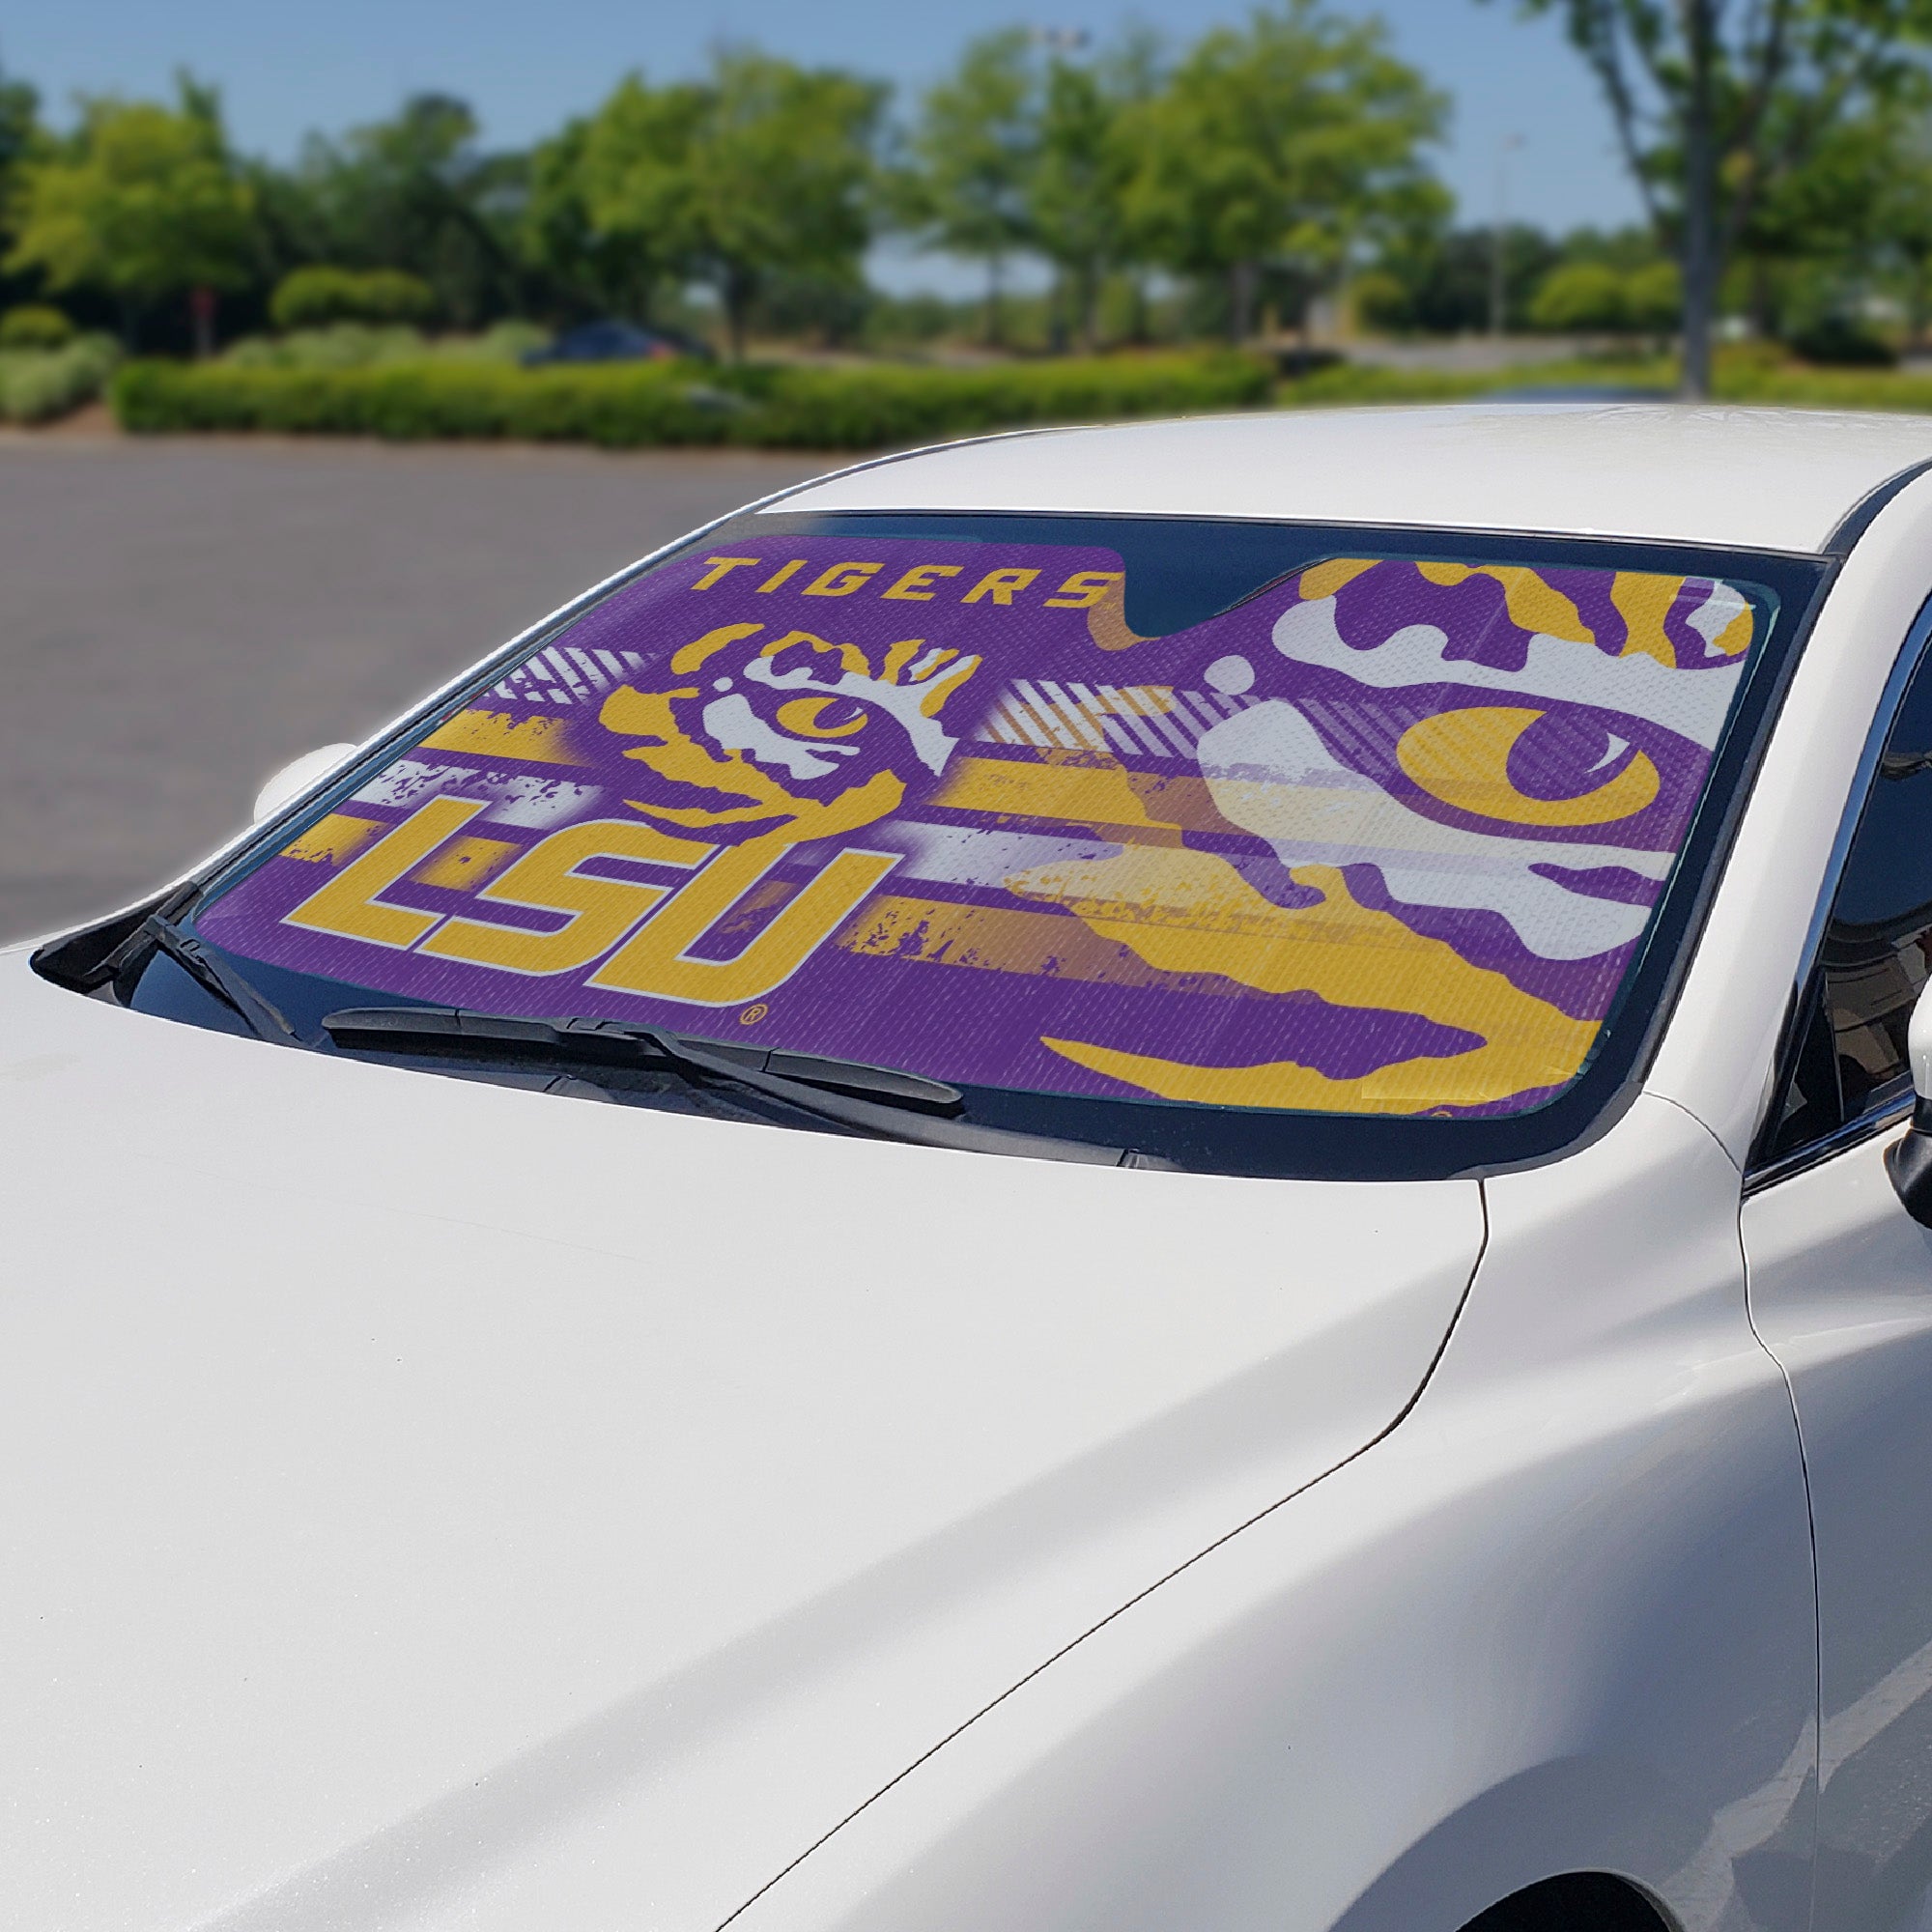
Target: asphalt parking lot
[[178, 617]]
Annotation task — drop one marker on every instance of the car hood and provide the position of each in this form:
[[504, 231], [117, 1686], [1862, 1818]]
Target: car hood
[[431, 1503]]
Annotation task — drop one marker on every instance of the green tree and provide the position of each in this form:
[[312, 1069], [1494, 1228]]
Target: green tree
[[20, 137], [1812, 233], [1716, 107], [559, 240], [612, 206], [1437, 280], [762, 169], [415, 192], [1284, 142], [1854, 220], [20, 134], [1078, 212], [972, 150], [780, 175], [1076, 191], [1901, 216], [142, 201]]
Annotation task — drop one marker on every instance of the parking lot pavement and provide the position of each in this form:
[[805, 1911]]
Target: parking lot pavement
[[178, 618]]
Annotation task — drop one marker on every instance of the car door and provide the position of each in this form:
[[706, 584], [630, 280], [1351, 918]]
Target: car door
[[1840, 1287]]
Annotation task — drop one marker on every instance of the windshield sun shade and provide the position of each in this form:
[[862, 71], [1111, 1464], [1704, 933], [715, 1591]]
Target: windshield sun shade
[[1383, 838]]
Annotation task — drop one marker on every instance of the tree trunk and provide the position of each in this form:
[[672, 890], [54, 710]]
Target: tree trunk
[[737, 294], [996, 329], [1241, 280], [1763, 320], [201, 311], [1700, 237]]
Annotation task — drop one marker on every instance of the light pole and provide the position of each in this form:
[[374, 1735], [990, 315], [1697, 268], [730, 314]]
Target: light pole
[[1499, 235]]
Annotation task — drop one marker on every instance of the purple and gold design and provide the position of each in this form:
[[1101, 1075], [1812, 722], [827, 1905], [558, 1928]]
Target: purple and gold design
[[1381, 840]]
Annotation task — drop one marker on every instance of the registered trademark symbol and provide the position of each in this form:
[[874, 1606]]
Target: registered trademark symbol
[[753, 1014]]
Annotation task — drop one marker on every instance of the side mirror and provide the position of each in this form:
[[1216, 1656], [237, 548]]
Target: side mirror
[[1909, 1161], [296, 777]]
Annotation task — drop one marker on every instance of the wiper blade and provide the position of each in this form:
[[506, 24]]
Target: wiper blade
[[213, 974], [615, 1043], [878, 1101]]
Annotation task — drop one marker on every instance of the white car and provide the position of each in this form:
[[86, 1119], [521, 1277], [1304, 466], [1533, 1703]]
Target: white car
[[1249, 1280]]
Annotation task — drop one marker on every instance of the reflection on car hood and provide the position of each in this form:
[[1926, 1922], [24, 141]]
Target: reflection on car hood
[[434, 1503]]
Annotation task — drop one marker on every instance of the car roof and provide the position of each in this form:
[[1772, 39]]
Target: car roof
[[1770, 479]]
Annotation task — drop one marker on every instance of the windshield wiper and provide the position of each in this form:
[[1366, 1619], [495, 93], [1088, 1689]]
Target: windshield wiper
[[213, 974], [878, 1101]]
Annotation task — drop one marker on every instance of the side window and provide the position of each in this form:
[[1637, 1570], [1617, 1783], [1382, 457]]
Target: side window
[[1849, 1056]]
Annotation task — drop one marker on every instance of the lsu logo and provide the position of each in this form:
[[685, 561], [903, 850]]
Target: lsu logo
[[758, 743], [788, 734]]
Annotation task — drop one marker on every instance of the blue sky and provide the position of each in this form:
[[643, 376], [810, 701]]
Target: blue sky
[[525, 66]]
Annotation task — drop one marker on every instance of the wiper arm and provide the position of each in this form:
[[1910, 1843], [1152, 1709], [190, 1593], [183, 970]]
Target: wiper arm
[[213, 974], [877, 1100]]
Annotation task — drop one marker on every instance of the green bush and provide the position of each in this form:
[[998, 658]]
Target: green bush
[[40, 384], [508, 341], [1381, 300], [1595, 298], [632, 404], [1580, 295], [1654, 297], [1843, 342], [315, 297], [35, 326], [1800, 387], [341, 345]]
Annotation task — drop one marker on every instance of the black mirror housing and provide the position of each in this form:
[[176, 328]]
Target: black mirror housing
[[1909, 1162]]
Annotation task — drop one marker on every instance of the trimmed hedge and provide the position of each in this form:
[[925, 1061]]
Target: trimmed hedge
[[866, 408], [1829, 388], [1347, 383], [362, 345], [1746, 374], [417, 400], [633, 405]]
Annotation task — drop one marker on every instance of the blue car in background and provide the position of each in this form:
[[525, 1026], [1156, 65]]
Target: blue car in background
[[617, 342]]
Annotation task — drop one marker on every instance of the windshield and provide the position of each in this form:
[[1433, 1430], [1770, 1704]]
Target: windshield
[[1196, 817]]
